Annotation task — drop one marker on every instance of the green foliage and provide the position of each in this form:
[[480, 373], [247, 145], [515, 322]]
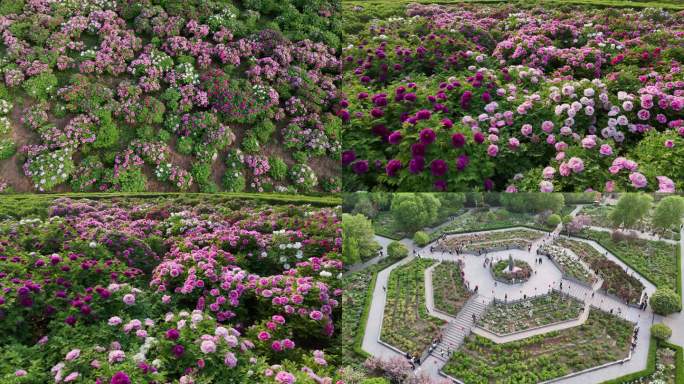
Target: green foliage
[[278, 168], [264, 130], [234, 180], [668, 213], [553, 220], [7, 148], [107, 132], [414, 211], [132, 180], [201, 173], [250, 144], [11, 6], [661, 331], [185, 145], [41, 86], [421, 238], [665, 301], [397, 250], [532, 202], [357, 239], [631, 208]]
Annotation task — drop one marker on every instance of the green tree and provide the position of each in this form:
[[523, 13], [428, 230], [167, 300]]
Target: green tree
[[665, 301], [413, 211], [452, 201], [668, 213], [661, 331], [421, 238], [533, 202], [631, 208], [553, 220], [397, 250], [357, 239]]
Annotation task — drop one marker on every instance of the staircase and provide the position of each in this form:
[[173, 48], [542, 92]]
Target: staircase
[[456, 330]]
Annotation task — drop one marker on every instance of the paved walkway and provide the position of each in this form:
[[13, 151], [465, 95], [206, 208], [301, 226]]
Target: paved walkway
[[545, 277]]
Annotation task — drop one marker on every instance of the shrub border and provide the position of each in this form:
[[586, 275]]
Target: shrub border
[[458, 232], [358, 339], [650, 368]]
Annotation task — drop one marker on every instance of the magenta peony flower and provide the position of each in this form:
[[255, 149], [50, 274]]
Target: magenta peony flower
[[669, 143], [458, 140], [348, 157], [606, 150], [120, 378], [488, 184], [393, 166], [360, 167], [427, 136], [416, 164], [177, 350], [438, 167], [479, 137], [462, 161], [440, 185], [284, 377], [418, 149], [548, 172], [395, 137]]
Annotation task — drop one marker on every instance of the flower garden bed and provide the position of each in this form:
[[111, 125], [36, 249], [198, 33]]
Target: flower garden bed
[[602, 339], [450, 292], [133, 290], [513, 238], [171, 96], [656, 261], [520, 274], [406, 324], [569, 266], [496, 100], [506, 318], [616, 281], [489, 220]]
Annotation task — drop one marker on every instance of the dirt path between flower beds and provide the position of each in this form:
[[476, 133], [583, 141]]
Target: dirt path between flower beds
[[11, 169]]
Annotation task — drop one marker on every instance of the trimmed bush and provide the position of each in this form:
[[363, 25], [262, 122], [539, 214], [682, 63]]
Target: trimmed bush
[[665, 301], [421, 238], [397, 250], [661, 331]]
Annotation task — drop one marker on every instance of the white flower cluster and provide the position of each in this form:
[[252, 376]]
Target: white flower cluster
[[187, 74], [5, 107]]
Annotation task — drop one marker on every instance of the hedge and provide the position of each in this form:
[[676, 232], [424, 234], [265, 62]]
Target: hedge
[[651, 366]]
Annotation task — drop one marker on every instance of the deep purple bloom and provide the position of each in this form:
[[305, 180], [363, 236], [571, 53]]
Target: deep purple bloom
[[427, 136], [423, 114], [360, 167], [377, 112], [488, 184], [458, 140], [393, 166], [395, 137], [71, 320], [348, 157], [418, 149], [410, 97], [177, 350], [462, 162], [416, 164], [479, 137], [120, 378], [172, 334], [438, 167]]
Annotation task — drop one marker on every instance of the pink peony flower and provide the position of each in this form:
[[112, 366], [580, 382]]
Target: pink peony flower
[[129, 299], [548, 172], [638, 180], [665, 184], [73, 354], [546, 186]]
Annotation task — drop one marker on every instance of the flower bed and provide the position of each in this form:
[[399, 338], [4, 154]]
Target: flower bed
[[406, 323], [488, 219], [655, 260], [616, 281], [516, 238], [494, 97], [138, 97], [505, 318], [521, 271], [603, 338], [569, 265], [450, 292], [165, 289]]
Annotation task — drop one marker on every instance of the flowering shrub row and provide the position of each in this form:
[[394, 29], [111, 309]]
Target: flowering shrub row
[[141, 97], [494, 97], [160, 291]]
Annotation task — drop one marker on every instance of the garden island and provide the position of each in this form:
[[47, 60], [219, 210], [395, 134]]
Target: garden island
[[513, 288]]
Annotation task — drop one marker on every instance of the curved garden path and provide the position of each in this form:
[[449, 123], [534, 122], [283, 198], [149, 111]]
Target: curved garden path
[[547, 276]]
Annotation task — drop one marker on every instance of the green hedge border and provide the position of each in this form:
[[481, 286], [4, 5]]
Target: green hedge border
[[678, 261], [651, 366]]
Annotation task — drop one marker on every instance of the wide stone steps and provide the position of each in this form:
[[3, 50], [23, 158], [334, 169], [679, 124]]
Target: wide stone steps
[[457, 330]]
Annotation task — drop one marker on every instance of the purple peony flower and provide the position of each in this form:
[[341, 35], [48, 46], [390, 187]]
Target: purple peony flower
[[393, 166], [395, 137], [438, 167], [427, 136], [458, 140], [120, 378], [360, 167], [416, 164], [462, 161], [348, 157]]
